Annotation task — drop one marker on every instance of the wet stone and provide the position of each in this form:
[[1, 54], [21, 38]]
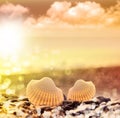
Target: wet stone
[[23, 110], [74, 114], [45, 109], [42, 110], [27, 103], [105, 109], [48, 109], [12, 104], [67, 108], [67, 105], [80, 112], [117, 103], [75, 104], [14, 113], [94, 116], [24, 99], [103, 99], [91, 102], [10, 96], [1, 104], [14, 100]]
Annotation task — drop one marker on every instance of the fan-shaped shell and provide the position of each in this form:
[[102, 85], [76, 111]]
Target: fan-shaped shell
[[43, 92], [81, 91]]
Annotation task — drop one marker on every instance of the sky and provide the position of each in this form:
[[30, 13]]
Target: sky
[[41, 6], [37, 34]]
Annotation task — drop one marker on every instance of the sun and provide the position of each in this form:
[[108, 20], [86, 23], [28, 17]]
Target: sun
[[10, 38]]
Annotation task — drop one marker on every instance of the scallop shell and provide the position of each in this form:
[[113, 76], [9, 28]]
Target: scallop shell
[[81, 91], [43, 92]]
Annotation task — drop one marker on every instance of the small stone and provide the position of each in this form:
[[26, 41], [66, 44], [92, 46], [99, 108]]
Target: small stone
[[73, 114], [93, 116], [13, 105], [80, 112], [89, 102], [14, 113], [103, 99], [117, 103], [105, 109], [1, 104], [24, 99], [27, 103], [14, 100], [66, 102]]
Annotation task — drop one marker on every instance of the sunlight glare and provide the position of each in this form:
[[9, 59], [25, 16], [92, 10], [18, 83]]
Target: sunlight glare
[[10, 38]]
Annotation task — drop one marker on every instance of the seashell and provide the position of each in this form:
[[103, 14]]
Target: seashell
[[43, 92], [81, 91]]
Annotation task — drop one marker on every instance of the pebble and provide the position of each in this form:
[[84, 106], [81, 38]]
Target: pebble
[[103, 99]]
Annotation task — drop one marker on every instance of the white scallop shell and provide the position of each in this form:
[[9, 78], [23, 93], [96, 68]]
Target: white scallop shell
[[43, 92], [81, 91]]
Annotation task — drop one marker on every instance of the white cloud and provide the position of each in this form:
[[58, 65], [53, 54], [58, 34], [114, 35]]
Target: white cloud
[[57, 9], [12, 11], [82, 12]]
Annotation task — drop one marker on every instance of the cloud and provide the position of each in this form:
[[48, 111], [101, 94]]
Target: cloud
[[84, 14], [30, 21], [113, 15], [12, 11], [81, 13], [66, 14], [58, 9]]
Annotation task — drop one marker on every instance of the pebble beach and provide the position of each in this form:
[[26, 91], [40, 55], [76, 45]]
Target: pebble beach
[[12, 106]]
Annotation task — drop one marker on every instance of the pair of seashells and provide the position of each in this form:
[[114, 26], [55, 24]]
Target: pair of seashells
[[44, 92]]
